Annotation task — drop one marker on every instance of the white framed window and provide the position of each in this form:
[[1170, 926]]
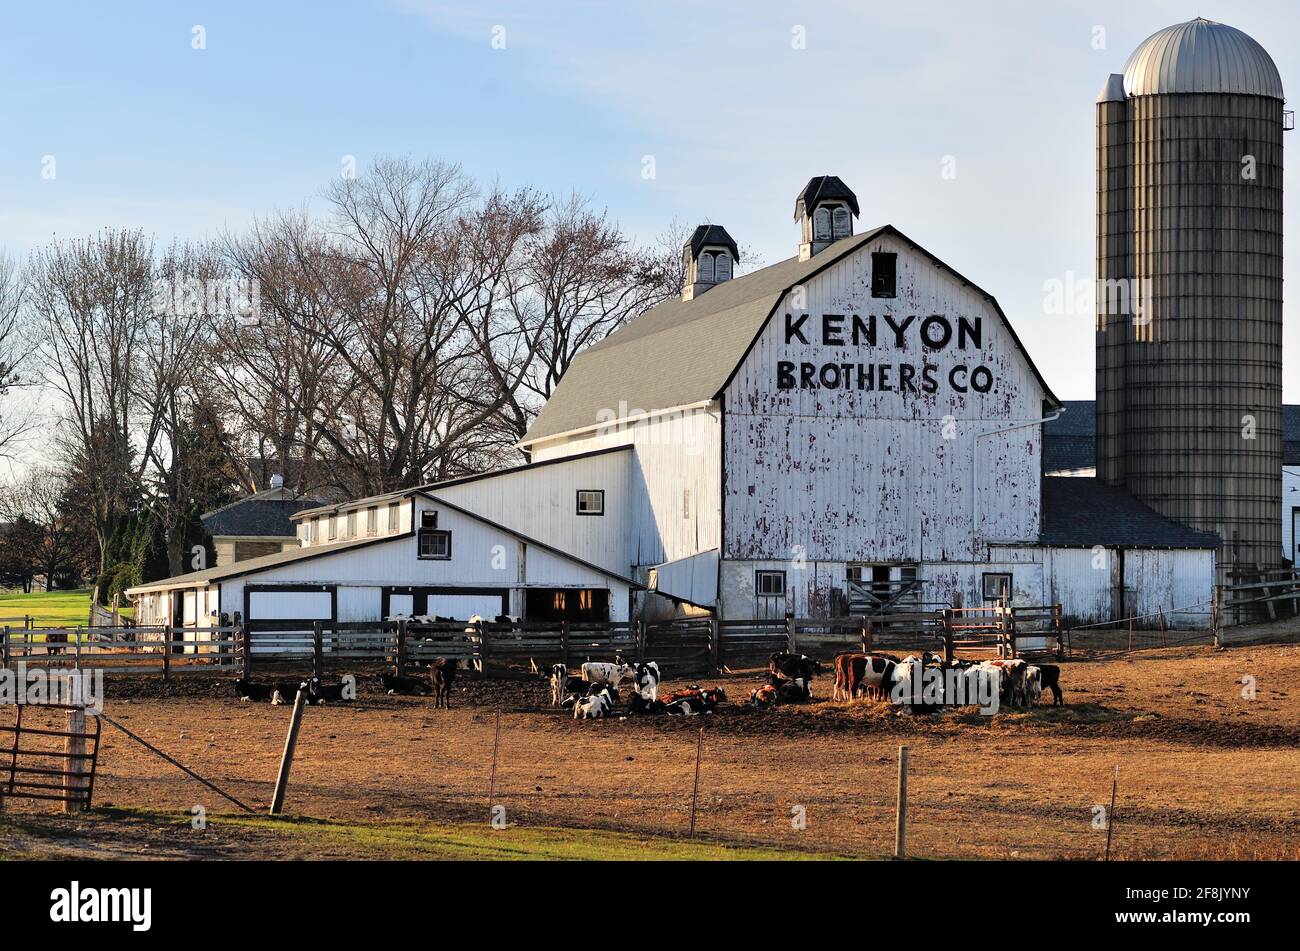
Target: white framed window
[[372, 520], [591, 502], [997, 587], [332, 522], [352, 524], [394, 516], [434, 544], [769, 584], [313, 530]]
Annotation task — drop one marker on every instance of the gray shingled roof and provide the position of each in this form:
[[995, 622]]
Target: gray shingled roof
[[264, 513], [684, 352], [1070, 442], [712, 234], [1082, 512], [825, 188]]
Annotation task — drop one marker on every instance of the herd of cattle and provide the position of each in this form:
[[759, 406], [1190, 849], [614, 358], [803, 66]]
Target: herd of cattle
[[920, 683]]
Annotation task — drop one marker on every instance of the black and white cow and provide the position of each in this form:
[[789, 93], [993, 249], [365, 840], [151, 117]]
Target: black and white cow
[[799, 668], [595, 707], [397, 684], [609, 674], [647, 679], [563, 684]]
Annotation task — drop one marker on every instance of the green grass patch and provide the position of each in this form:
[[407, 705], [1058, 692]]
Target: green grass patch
[[409, 839], [49, 608]]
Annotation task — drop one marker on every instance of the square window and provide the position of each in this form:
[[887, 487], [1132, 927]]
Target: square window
[[884, 274], [769, 584], [428, 519], [591, 501], [434, 544], [997, 587]]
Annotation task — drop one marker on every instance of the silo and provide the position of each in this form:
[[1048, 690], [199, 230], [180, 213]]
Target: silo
[[1189, 297]]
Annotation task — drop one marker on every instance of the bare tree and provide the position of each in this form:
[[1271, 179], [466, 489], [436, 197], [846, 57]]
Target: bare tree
[[15, 348]]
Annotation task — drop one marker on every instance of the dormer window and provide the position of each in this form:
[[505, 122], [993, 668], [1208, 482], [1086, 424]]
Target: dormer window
[[709, 258]]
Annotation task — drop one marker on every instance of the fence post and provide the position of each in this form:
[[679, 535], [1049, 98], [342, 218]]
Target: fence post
[[4, 648], [318, 650], [714, 645], [948, 650], [74, 745], [168, 634], [564, 643], [695, 789], [244, 638], [1214, 617], [791, 638], [642, 636], [286, 761], [900, 823], [79, 630], [484, 648], [401, 647], [866, 634]]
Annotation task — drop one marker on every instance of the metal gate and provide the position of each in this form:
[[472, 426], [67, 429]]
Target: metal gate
[[38, 770]]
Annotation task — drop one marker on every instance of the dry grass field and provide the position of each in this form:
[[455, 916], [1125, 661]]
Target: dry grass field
[[1203, 772]]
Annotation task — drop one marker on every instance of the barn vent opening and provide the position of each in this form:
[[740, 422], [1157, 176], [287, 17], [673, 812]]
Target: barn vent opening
[[708, 259], [825, 210]]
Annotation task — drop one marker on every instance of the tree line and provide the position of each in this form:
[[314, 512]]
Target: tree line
[[405, 332]]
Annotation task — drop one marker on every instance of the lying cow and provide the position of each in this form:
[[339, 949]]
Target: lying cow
[[638, 705], [318, 693], [799, 668], [694, 701], [397, 684], [594, 707]]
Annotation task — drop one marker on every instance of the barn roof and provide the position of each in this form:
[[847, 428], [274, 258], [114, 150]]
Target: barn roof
[[1083, 512], [712, 234], [1070, 442], [254, 565], [825, 188], [263, 514], [683, 353]]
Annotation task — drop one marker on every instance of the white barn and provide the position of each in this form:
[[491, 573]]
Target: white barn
[[805, 439]]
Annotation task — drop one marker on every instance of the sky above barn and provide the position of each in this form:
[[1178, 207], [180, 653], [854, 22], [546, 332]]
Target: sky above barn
[[969, 126]]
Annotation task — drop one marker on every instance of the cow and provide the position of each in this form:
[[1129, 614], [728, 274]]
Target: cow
[[873, 673], [442, 674], [1033, 685], [318, 692], [647, 679], [609, 674], [55, 637], [1050, 679], [1013, 681], [258, 693], [849, 667], [694, 700], [764, 696], [396, 683], [796, 667], [563, 684], [639, 705], [594, 707]]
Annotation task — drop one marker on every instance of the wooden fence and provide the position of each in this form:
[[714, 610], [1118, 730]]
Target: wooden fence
[[162, 649], [52, 761]]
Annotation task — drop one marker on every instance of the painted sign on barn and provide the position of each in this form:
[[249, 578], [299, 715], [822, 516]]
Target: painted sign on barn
[[880, 429]]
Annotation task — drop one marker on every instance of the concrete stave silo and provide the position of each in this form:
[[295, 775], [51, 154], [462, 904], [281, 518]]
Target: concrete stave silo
[[1189, 268]]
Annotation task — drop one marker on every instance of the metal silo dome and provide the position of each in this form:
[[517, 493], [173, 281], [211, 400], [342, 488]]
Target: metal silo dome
[[1201, 56]]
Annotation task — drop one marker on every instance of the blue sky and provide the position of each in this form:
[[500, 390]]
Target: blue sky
[[147, 131]]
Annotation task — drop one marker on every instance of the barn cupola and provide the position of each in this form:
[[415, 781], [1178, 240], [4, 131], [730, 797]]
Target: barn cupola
[[709, 258], [825, 210]]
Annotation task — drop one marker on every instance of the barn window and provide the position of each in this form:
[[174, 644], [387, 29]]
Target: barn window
[[313, 531], [435, 544], [841, 222], [822, 224], [394, 516], [352, 524], [769, 584], [372, 520], [333, 523], [428, 519], [884, 274], [705, 266], [997, 587], [591, 501], [722, 267]]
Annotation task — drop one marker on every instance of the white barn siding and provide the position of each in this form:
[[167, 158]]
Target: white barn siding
[[672, 456], [1291, 513], [857, 475], [542, 504]]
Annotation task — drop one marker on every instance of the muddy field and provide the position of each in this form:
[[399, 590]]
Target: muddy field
[[1204, 771]]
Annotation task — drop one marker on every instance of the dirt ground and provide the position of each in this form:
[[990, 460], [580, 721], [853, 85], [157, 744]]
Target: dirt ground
[[1204, 772]]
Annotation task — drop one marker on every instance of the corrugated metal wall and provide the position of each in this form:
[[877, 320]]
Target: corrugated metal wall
[[1180, 219]]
